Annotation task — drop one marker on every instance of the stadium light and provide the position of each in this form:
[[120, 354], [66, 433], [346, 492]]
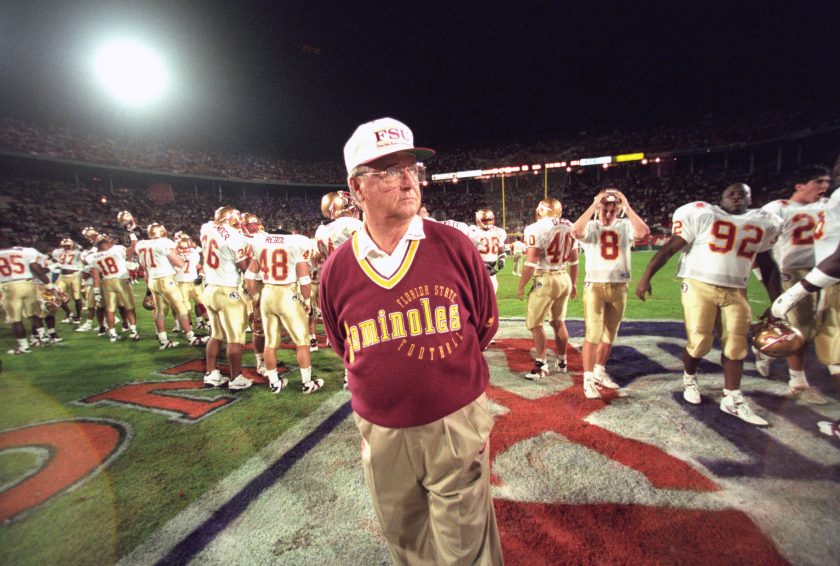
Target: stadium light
[[131, 72]]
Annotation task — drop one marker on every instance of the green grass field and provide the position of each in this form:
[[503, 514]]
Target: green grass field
[[167, 465]]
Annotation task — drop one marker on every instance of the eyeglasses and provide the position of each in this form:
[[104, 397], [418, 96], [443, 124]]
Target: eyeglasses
[[395, 173]]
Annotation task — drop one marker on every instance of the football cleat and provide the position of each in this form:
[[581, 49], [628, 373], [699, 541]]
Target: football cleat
[[19, 350], [313, 345], [692, 391], [312, 386], [167, 345], [54, 339], [67, 320], [114, 337], [829, 428], [102, 331], [278, 386], [539, 371], [590, 389], [85, 327], [734, 404], [241, 382], [215, 379], [135, 337], [261, 369], [807, 395], [199, 340], [562, 367], [604, 380]]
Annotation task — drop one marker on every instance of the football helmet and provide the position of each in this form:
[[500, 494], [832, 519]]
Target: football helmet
[[549, 207], [149, 302], [227, 215], [68, 244], [183, 244], [125, 218], [53, 298], [337, 204], [776, 337], [484, 218], [102, 239], [90, 234], [156, 230], [251, 224]]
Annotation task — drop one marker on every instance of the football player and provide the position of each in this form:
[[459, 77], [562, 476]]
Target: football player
[[518, 249], [160, 261], [794, 253], [489, 239], [607, 240], [719, 245], [188, 276], [18, 266], [110, 282], [253, 229], [283, 262], [340, 208], [550, 248], [825, 277], [225, 252], [69, 259], [93, 306], [48, 299]]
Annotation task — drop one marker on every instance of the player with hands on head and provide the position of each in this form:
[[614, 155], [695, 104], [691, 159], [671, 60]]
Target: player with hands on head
[[719, 245], [550, 248], [607, 240]]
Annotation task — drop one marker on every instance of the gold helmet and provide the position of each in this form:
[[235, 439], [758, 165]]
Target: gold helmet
[[251, 224], [776, 337], [337, 204], [183, 244], [149, 302], [485, 218], [53, 298], [156, 230], [125, 218], [549, 207], [102, 239], [90, 233], [227, 215], [68, 244]]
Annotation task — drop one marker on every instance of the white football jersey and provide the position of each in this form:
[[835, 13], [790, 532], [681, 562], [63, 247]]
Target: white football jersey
[[332, 235], [153, 256], [460, 226], [278, 254], [14, 263], [827, 231], [607, 250], [722, 246], [189, 272], [222, 247], [489, 243], [110, 263], [553, 238], [795, 247], [68, 260]]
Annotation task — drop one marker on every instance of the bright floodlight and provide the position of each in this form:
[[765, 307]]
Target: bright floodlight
[[131, 72]]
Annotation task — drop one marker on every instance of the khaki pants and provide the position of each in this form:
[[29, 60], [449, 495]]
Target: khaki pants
[[603, 309], [827, 340], [227, 313], [804, 314], [549, 295], [430, 487], [707, 307]]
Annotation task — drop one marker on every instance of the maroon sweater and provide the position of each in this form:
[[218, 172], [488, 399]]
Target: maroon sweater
[[413, 351]]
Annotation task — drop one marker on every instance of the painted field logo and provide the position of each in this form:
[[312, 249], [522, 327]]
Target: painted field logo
[[67, 454], [172, 397]]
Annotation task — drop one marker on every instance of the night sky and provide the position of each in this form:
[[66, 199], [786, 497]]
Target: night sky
[[295, 78]]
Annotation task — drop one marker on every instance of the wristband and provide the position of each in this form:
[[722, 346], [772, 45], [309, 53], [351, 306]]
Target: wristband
[[819, 278], [787, 300], [574, 262], [250, 275], [305, 280]]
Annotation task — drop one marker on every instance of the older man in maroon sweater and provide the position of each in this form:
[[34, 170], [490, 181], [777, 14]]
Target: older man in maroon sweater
[[409, 306]]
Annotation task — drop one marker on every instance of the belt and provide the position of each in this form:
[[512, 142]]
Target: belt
[[548, 271]]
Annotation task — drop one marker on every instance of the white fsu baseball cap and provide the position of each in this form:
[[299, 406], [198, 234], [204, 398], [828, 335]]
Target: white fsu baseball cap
[[380, 138]]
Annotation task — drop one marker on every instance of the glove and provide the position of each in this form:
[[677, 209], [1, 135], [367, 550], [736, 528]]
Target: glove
[[198, 280], [788, 300], [491, 268], [501, 263]]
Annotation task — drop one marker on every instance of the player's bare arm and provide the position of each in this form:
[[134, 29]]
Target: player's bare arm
[[579, 227], [251, 277], [573, 272], [671, 247], [532, 256], [770, 275]]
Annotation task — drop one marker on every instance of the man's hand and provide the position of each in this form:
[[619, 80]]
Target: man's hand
[[500, 264], [643, 288], [573, 293], [520, 293], [787, 300]]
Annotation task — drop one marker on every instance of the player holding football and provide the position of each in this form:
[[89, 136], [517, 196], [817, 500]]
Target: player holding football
[[550, 247], [794, 253], [607, 240], [719, 244], [489, 240], [825, 277]]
